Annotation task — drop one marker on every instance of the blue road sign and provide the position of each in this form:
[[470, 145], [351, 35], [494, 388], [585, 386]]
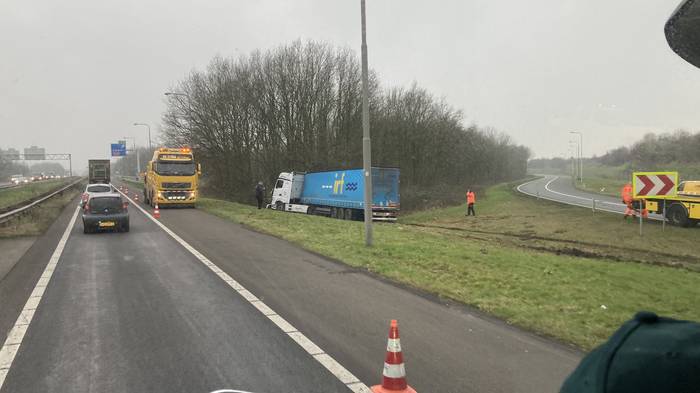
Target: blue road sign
[[118, 150]]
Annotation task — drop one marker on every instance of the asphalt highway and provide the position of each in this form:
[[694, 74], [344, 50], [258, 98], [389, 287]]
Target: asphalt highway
[[136, 312], [143, 311]]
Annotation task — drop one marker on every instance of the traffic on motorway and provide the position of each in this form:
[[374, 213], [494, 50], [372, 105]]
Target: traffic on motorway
[[356, 197]]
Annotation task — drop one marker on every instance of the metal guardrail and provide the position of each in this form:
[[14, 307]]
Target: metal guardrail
[[9, 185], [12, 213]]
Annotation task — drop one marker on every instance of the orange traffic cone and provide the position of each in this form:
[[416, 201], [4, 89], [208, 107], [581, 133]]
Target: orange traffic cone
[[156, 212], [394, 375]]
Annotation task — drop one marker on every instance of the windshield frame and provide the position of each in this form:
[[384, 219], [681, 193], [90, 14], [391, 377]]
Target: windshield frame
[[170, 168]]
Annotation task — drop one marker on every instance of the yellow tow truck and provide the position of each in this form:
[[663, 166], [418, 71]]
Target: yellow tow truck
[[171, 178], [683, 209]]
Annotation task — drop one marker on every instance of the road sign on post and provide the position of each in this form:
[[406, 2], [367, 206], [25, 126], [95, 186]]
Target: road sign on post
[[35, 153], [654, 185], [118, 149]]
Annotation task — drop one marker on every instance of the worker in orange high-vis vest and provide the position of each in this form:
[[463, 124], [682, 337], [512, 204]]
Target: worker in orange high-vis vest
[[632, 205], [626, 194], [471, 199]]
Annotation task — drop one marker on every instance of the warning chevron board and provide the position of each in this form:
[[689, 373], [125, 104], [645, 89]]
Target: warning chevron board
[[654, 184]]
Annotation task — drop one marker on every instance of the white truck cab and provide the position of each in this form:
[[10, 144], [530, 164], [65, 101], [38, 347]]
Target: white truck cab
[[287, 192]]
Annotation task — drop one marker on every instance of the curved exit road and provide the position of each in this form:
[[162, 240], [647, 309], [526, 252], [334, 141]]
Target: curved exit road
[[559, 189], [140, 311]]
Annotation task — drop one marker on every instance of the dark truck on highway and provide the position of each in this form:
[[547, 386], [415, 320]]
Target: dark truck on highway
[[98, 171]]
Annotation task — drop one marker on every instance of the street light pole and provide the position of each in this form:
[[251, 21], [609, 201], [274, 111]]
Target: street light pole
[[580, 153], [366, 142], [138, 160], [149, 133], [573, 162], [575, 158]]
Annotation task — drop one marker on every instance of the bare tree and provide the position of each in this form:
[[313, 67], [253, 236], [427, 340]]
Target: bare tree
[[298, 107]]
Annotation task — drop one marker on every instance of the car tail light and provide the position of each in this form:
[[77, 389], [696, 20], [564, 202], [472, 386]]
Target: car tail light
[[125, 205]]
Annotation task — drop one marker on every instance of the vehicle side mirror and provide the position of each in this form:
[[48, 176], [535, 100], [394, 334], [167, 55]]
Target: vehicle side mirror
[[199, 169]]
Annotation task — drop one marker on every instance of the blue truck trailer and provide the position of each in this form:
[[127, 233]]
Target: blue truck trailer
[[338, 194]]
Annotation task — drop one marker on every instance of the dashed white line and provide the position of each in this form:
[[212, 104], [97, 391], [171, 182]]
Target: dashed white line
[[14, 339], [335, 368]]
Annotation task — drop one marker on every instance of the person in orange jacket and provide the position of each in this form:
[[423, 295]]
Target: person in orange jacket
[[626, 194], [628, 200], [471, 199]]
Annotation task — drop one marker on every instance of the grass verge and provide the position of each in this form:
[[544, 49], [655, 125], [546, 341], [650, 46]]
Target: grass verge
[[552, 293], [39, 218], [133, 183], [12, 196]]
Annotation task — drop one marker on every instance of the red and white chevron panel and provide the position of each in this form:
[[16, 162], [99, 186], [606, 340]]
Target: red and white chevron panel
[[655, 184]]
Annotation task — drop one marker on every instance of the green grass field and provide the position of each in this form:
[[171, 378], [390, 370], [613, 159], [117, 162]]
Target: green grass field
[[15, 195], [557, 270]]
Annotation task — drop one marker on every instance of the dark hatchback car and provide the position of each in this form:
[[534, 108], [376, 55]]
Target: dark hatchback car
[[105, 211]]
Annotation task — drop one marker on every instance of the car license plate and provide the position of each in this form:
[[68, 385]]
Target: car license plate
[[103, 224]]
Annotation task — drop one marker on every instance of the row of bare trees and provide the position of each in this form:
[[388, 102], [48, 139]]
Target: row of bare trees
[[298, 107], [680, 146]]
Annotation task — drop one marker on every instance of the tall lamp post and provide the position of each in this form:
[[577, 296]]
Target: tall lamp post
[[138, 160], [575, 158], [149, 133], [580, 153], [366, 142], [572, 154]]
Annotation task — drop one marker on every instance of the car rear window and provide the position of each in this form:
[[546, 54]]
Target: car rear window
[[106, 205], [99, 189]]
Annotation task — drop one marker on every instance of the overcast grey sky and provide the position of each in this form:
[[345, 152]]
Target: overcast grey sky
[[75, 74]]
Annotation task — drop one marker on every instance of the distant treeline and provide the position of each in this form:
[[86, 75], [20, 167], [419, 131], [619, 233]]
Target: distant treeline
[[678, 151], [653, 150], [299, 107]]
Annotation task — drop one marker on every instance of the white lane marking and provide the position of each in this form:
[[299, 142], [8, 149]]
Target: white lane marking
[[546, 186], [14, 339], [335, 368], [230, 391], [305, 343], [340, 372]]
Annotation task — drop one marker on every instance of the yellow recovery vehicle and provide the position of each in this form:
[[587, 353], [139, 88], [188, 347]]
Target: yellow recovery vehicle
[[683, 209], [171, 178]]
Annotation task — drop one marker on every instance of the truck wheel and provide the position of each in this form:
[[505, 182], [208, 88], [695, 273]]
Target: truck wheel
[[311, 210], [279, 205], [348, 214], [678, 215], [334, 212]]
